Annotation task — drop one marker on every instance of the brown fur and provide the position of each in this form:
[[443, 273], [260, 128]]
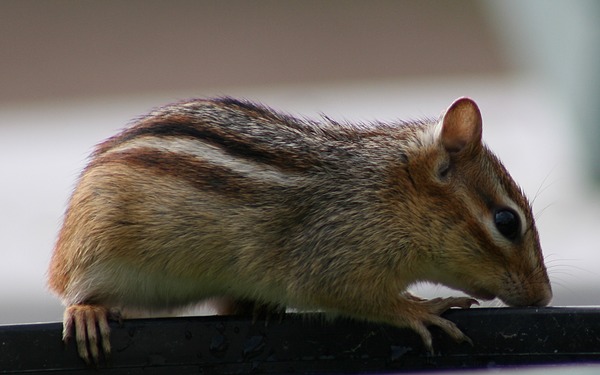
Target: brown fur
[[226, 199]]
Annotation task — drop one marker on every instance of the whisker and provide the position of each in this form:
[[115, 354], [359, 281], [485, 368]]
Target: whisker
[[566, 267], [542, 188], [539, 213]]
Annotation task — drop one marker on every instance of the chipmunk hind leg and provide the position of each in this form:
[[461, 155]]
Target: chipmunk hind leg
[[89, 324], [246, 307]]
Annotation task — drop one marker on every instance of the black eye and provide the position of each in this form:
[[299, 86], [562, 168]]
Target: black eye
[[507, 222]]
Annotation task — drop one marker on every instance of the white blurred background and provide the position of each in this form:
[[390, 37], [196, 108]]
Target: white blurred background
[[74, 72]]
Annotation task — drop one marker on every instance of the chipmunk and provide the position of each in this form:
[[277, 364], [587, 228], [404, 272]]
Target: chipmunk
[[223, 198]]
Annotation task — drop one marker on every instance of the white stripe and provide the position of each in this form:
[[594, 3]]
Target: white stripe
[[207, 153]]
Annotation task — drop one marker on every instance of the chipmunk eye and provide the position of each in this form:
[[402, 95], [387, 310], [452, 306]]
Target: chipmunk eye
[[507, 222]]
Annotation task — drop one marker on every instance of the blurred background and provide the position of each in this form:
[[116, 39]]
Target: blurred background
[[75, 72]]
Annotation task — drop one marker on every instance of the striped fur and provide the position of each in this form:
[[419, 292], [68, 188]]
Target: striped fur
[[224, 198]]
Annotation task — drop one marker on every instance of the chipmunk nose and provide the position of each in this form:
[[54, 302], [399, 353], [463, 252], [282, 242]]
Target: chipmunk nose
[[534, 297], [541, 302], [544, 298]]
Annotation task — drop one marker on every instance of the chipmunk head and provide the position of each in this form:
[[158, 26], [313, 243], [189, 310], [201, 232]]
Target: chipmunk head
[[488, 244]]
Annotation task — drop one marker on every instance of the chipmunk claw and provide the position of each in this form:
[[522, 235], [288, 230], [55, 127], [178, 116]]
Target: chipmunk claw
[[268, 313], [89, 323], [431, 317], [256, 310]]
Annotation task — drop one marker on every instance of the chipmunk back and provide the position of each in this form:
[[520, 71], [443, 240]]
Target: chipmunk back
[[226, 199]]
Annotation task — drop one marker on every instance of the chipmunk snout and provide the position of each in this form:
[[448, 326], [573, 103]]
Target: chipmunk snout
[[536, 297], [545, 297]]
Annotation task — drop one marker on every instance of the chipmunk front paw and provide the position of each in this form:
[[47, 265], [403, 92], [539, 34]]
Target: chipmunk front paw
[[428, 314]]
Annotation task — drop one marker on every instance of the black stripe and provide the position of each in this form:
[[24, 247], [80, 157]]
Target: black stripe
[[230, 142], [199, 173]]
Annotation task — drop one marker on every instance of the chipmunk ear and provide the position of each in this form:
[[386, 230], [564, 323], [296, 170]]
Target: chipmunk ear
[[461, 125]]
